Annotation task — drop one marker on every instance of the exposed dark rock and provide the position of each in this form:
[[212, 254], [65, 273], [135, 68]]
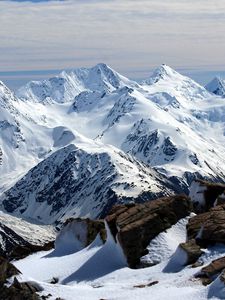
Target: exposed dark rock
[[20, 252], [222, 276], [14, 246], [140, 286], [7, 270], [209, 192], [211, 271], [208, 228], [93, 228], [136, 226], [17, 291], [192, 250]]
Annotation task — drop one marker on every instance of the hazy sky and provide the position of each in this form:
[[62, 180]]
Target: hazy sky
[[132, 36]]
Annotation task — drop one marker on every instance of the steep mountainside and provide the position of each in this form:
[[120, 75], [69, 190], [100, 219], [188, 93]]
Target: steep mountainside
[[217, 87], [82, 182], [168, 122]]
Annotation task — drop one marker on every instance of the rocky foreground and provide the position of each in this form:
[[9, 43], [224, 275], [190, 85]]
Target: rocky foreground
[[131, 228]]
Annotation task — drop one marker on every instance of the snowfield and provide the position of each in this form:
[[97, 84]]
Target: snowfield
[[100, 271]]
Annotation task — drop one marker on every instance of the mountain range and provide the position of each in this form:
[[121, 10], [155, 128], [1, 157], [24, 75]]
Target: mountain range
[[77, 143]]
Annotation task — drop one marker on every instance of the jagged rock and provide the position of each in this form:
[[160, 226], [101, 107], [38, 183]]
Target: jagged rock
[[222, 276], [78, 233], [214, 268], [211, 271], [20, 251], [208, 228], [19, 238], [192, 250], [135, 225], [204, 194], [7, 270], [15, 246], [17, 291]]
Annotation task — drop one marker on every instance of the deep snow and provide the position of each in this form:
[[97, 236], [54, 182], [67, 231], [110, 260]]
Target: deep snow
[[100, 272]]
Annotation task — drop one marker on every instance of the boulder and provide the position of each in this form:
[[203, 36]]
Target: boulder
[[16, 291], [192, 250], [208, 228], [211, 271], [204, 194], [78, 233], [7, 270], [135, 225], [214, 268]]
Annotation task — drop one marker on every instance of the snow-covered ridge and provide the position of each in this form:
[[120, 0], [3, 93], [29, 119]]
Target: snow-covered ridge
[[84, 181], [216, 86], [67, 85], [169, 122]]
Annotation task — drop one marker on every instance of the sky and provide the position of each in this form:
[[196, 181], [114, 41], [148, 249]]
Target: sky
[[39, 37]]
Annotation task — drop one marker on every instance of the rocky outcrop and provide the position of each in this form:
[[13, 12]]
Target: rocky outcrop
[[19, 238], [78, 233], [204, 194], [22, 251], [212, 270], [135, 225], [7, 270], [17, 290], [192, 250], [208, 228]]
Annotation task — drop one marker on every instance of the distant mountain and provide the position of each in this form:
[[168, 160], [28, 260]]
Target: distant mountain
[[164, 131], [67, 85], [217, 87]]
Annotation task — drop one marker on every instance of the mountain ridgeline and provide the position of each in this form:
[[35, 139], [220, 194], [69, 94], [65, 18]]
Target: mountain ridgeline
[[82, 141]]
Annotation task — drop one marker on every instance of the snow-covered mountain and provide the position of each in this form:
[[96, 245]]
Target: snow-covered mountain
[[84, 180], [98, 119], [216, 86], [66, 86]]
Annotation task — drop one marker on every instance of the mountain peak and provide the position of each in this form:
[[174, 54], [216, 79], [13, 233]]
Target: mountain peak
[[163, 72], [6, 95], [216, 86]]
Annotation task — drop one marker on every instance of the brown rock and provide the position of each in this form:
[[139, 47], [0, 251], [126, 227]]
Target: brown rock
[[192, 250], [214, 268], [93, 228], [211, 193], [211, 271], [17, 291], [7, 270], [140, 286], [208, 228], [136, 226], [222, 276]]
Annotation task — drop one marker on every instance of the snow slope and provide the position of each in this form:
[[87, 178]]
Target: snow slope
[[168, 122], [90, 274]]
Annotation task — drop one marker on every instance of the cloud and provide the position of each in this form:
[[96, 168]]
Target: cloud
[[132, 36]]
